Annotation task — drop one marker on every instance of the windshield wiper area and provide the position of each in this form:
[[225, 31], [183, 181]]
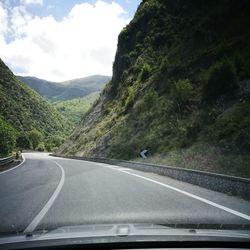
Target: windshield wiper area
[[201, 234], [209, 226]]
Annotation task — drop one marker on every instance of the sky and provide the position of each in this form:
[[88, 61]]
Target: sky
[[58, 40]]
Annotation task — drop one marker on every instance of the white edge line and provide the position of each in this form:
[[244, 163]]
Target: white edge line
[[229, 210], [32, 226], [3, 172]]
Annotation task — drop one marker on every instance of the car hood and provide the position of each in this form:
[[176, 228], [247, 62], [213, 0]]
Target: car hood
[[124, 233]]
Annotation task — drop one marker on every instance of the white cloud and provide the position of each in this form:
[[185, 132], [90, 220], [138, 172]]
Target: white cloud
[[82, 43], [19, 19], [3, 20], [27, 2]]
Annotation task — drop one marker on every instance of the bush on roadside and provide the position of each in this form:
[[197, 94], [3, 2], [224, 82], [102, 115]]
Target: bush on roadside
[[40, 147], [35, 138]]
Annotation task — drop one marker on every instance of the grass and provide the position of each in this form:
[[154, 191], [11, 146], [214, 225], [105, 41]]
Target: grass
[[205, 158]]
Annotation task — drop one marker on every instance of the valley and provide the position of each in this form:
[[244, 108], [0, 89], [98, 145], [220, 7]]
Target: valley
[[72, 98]]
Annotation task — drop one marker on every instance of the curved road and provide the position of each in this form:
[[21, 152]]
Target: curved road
[[49, 192]]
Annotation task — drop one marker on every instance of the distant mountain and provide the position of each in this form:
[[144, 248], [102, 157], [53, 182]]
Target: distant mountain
[[25, 110], [44, 88], [92, 82], [67, 90]]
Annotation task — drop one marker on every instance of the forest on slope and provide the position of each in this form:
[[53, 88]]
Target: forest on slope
[[74, 109], [71, 98], [180, 88], [67, 90], [27, 120]]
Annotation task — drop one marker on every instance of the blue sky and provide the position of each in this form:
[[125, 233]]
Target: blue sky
[[62, 39], [60, 8]]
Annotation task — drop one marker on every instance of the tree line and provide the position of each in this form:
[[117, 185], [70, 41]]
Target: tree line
[[11, 140]]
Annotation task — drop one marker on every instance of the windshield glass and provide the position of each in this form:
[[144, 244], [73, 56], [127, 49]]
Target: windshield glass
[[129, 113]]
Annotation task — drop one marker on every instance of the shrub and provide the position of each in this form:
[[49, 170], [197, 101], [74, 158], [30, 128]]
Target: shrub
[[7, 138], [148, 100], [221, 80], [131, 97], [40, 147], [164, 65], [182, 91], [145, 72], [35, 138]]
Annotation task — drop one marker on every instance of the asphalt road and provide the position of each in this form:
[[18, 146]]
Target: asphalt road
[[47, 192]]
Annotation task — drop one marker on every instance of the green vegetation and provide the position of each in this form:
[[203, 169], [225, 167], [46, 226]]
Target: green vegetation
[[71, 98], [180, 83], [23, 142], [27, 114], [74, 109], [72, 89], [182, 91], [222, 79], [35, 138], [130, 98], [145, 72], [205, 157], [40, 147], [7, 138]]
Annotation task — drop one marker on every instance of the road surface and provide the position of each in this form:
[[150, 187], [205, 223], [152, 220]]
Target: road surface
[[48, 192]]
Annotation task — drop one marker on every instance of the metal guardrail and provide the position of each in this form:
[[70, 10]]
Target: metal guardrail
[[6, 160]]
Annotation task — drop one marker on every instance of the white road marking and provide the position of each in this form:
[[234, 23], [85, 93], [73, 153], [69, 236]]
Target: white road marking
[[229, 210], [3, 172], [32, 226]]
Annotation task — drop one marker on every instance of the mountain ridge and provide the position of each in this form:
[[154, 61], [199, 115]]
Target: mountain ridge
[[66, 90]]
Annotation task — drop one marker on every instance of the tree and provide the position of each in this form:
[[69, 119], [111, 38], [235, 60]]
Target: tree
[[23, 142], [7, 138], [35, 138], [40, 147]]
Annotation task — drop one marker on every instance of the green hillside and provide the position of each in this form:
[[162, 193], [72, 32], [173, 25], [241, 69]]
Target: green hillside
[[47, 89], [74, 109], [180, 88], [61, 91], [26, 113], [71, 98]]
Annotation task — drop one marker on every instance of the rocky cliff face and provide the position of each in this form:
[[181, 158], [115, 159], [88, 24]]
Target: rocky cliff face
[[179, 79]]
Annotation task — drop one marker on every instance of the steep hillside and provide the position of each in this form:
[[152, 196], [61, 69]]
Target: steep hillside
[[74, 109], [55, 91], [180, 83], [24, 110]]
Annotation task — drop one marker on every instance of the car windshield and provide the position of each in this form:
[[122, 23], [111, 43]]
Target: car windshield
[[124, 117]]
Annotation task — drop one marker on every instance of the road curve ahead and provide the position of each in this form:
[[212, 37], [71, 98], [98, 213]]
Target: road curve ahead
[[49, 192]]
